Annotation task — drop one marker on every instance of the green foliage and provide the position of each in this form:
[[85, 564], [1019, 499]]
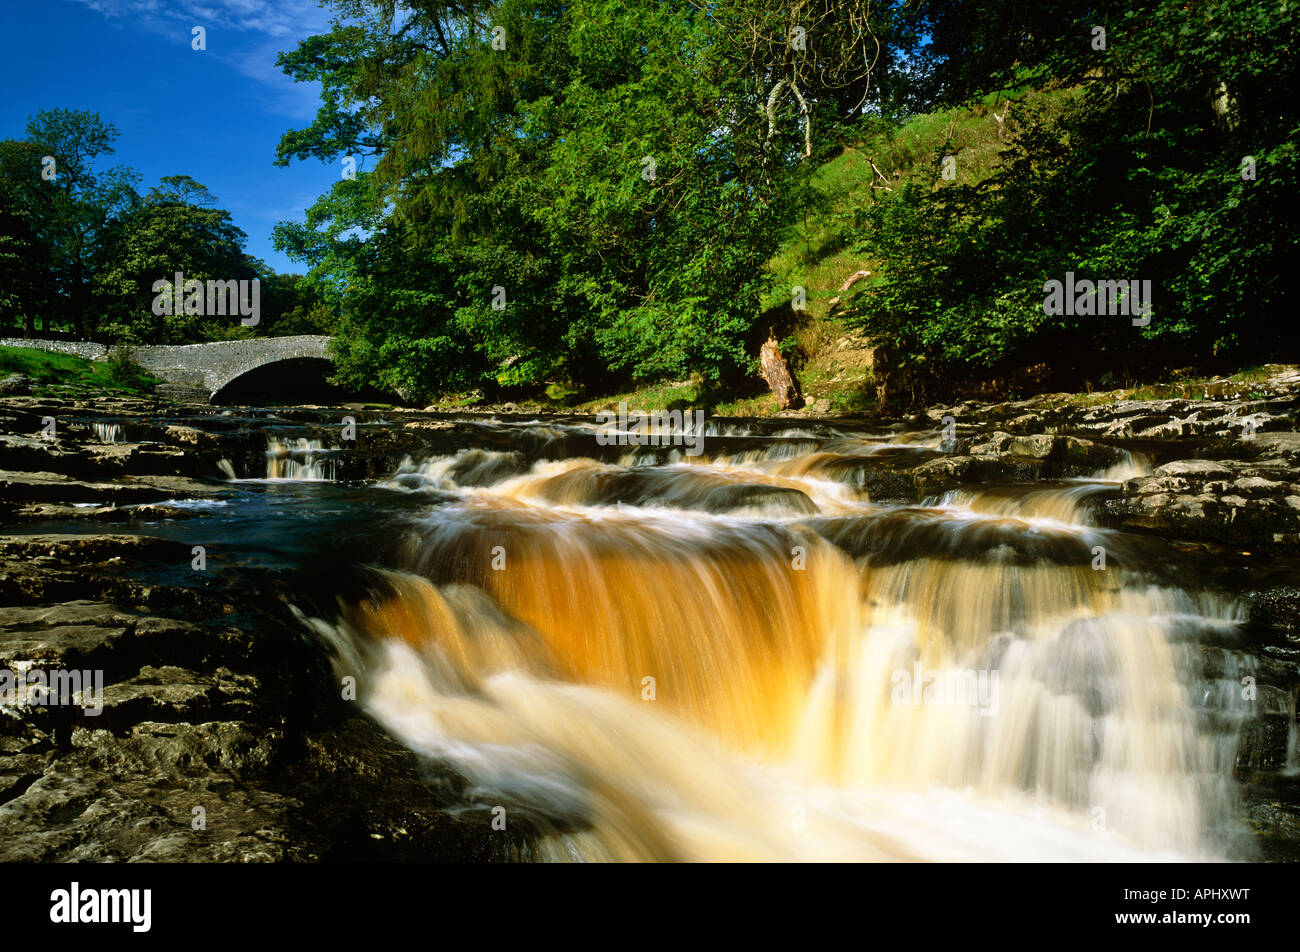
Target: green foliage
[[171, 230], [69, 214], [1136, 178], [48, 369], [607, 194], [125, 374], [27, 280], [609, 166], [80, 250]]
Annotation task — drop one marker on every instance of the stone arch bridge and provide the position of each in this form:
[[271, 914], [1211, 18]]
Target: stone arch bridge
[[198, 372]]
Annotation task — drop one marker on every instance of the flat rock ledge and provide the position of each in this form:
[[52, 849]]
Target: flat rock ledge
[[213, 741]]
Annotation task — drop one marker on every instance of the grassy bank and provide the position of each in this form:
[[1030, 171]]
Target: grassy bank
[[53, 374]]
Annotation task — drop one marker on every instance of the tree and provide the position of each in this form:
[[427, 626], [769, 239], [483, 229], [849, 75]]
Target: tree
[[1159, 143], [588, 190], [172, 229], [84, 200], [26, 256]]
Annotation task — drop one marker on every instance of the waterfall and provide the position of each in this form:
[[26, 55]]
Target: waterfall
[[746, 658], [108, 432], [299, 459]]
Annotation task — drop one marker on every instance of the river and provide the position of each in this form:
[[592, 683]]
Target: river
[[644, 654]]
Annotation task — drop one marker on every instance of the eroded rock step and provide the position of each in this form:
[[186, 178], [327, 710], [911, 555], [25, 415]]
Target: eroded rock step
[[232, 722]]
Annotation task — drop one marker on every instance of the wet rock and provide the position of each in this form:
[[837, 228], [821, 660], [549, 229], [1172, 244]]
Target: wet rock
[[138, 795], [15, 385], [1277, 609], [1064, 455], [236, 747], [58, 512], [1263, 744], [429, 425], [83, 549], [1194, 469], [374, 799], [939, 476], [173, 694], [23, 452], [132, 459], [190, 436], [54, 487], [1227, 502], [66, 635], [214, 742], [43, 511]]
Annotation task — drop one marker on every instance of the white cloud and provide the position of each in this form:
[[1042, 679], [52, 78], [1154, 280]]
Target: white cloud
[[279, 18], [245, 35]]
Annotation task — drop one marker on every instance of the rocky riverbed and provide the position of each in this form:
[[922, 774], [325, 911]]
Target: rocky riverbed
[[224, 733]]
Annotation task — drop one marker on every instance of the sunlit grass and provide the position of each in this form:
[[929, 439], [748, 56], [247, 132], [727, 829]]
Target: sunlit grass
[[50, 371]]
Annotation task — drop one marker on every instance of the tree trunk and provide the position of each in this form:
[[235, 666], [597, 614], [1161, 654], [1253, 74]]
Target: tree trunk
[[78, 299], [778, 376]]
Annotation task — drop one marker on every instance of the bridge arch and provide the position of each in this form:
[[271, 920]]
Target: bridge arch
[[200, 372], [289, 380], [214, 367]]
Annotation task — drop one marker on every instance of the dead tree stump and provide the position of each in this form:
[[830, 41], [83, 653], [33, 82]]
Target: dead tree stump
[[778, 376]]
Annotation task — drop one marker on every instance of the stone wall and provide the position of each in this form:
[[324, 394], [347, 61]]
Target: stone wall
[[78, 348], [193, 368]]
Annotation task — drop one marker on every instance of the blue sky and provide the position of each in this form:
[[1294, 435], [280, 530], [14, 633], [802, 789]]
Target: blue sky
[[215, 115]]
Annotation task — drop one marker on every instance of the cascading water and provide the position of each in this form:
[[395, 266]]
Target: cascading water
[[744, 657], [108, 432], [300, 459]]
